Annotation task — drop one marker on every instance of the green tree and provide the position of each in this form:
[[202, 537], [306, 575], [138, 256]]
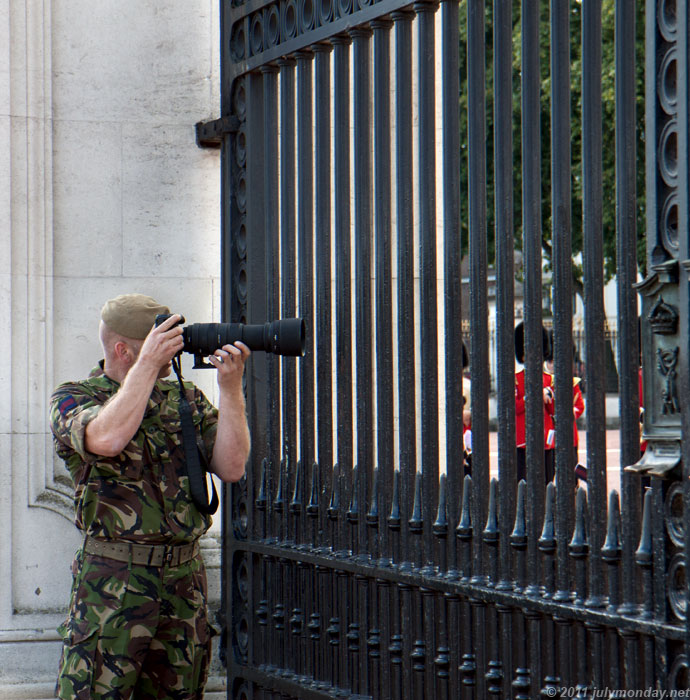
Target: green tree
[[608, 125]]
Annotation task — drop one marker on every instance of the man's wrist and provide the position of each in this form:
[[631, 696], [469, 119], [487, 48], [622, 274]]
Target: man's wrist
[[143, 371], [232, 398]]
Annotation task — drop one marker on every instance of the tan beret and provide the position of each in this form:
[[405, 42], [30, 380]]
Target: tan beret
[[132, 315]]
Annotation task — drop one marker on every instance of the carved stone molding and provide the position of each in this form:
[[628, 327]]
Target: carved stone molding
[[31, 242]]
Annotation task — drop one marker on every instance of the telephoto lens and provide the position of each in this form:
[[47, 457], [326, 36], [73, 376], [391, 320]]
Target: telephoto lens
[[284, 337]]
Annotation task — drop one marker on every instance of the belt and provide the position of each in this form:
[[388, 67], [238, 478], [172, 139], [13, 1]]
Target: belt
[[143, 554]]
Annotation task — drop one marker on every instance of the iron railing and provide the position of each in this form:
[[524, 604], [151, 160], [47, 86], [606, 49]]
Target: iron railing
[[358, 560]]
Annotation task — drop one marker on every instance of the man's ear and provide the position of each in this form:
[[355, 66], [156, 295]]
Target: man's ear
[[124, 353]]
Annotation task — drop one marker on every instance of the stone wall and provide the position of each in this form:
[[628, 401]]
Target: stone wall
[[102, 191]]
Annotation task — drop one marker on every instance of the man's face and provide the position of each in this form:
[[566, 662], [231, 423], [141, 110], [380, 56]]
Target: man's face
[[135, 347]]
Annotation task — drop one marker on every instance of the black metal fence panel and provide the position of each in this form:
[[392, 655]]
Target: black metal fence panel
[[364, 555]]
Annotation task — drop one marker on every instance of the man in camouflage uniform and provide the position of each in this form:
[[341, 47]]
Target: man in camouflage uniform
[[137, 625]]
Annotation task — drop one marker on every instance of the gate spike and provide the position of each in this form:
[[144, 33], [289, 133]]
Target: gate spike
[[490, 536], [261, 499], [518, 537], [296, 502], [416, 522], [373, 514], [334, 505], [353, 510], [464, 529], [547, 541], [518, 541], [490, 533], [440, 527], [611, 551], [313, 505], [644, 558], [643, 555], [578, 544], [279, 501], [394, 517]]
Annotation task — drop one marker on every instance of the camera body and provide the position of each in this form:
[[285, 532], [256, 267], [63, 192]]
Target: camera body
[[283, 337]]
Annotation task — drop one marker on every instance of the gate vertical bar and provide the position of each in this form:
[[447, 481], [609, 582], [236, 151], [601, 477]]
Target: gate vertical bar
[[363, 273], [405, 271], [384, 301], [593, 259], [326, 577], [562, 288], [305, 238], [427, 261], [452, 262], [406, 326], [256, 307], [269, 589], [305, 242], [532, 235], [271, 217], [341, 156], [255, 269], [288, 305], [452, 250], [343, 311], [287, 269], [364, 371], [324, 360], [501, 663], [626, 273], [380, 624], [479, 312], [505, 279], [478, 244]]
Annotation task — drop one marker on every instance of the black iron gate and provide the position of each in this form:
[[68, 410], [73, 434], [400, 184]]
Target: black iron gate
[[360, 561]]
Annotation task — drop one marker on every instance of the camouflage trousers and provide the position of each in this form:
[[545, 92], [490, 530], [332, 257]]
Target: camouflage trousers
[[137, 632]]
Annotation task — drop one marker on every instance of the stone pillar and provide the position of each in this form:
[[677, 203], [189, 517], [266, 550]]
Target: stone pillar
[[102, 191]]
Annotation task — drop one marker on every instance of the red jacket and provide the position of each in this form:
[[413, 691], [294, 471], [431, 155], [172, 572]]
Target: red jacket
[[578, 407], [520, 410], [578, 404]]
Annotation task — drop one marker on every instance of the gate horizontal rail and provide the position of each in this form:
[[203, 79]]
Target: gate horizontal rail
[[452, 584], [241, 21]]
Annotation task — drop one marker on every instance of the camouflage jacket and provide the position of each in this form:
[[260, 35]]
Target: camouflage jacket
[[143, 494]]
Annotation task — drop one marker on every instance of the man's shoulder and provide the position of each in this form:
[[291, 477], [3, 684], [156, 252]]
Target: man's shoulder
[[96, 383]]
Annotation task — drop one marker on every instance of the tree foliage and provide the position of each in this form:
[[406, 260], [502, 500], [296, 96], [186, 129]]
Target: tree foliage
[[608, 126]]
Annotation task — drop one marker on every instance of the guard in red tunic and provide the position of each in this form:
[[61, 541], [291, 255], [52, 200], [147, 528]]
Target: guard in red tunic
[[547, 394]]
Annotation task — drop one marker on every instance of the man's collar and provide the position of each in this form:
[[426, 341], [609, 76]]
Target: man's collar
[[99, 371]]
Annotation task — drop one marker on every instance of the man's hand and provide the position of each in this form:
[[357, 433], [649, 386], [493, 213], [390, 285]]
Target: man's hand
[[229, 361], [162, 344], [232, 445], [548, 395]]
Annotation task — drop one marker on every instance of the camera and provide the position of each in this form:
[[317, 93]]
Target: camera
[[282, 337]]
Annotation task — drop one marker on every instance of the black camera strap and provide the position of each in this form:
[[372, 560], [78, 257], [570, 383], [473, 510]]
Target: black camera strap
[[195, 471]]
